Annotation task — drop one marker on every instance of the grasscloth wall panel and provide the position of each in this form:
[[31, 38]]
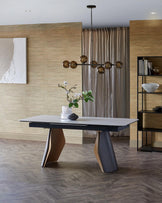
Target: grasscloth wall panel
[[47, 46], [145, 40]]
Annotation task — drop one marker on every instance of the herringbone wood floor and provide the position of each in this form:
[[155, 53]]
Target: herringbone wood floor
[[77, 177]]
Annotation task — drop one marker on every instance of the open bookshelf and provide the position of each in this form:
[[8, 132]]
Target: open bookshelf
[[149, 69]]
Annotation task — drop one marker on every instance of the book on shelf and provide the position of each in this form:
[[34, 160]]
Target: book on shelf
[[141, 67], [149, 65], [145, 67]]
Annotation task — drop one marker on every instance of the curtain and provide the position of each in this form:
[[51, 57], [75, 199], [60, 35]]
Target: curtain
[[111, 89]]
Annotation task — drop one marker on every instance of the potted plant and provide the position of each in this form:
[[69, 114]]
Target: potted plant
[[73, 99]]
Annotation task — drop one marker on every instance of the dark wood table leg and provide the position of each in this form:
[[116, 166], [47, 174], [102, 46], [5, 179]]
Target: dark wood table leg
[[105, 153], [54, 145]]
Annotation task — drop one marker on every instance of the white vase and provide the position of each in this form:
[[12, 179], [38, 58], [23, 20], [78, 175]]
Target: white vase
[[66, 111]]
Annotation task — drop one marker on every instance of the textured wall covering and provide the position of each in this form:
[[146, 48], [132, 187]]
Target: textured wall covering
[[47, 46], [145, 40]]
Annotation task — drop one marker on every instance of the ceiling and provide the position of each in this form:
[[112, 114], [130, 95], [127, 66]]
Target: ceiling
[[108, 13]]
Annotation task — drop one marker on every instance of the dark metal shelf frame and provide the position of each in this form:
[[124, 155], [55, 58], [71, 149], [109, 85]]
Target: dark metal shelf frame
[[150, 92], [149, 111], [140, 113], [150, 129], [151, 75]]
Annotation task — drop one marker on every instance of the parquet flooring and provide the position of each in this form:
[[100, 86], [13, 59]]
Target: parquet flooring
[[77, 177]]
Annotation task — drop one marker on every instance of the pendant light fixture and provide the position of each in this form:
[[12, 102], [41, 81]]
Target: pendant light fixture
[[83, 59]]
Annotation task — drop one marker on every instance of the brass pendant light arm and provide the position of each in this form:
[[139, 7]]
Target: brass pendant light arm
[[84, 59]]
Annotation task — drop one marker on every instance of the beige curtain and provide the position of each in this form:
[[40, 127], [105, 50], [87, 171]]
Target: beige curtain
[[111, 89]]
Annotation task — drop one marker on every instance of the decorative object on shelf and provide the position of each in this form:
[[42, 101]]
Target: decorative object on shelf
[[158, 109], [156, 71], [84, 59], [73, 117], [74, 98], [150, 87]]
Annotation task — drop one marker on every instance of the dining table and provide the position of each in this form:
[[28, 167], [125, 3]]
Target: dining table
[[103, 147]]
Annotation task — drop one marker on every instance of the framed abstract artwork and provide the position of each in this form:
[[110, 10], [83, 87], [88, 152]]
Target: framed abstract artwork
[[13, 60]]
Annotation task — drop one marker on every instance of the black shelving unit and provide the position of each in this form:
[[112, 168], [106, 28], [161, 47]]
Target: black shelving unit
[[147, 147], [149, 111], [150, 92]]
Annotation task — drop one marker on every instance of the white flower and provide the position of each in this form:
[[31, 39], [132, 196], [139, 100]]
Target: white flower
[[77, 95], [65, 83]]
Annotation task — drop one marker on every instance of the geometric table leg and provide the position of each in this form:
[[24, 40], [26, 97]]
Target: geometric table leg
[[54, 145], [96, 152], [105, 153]]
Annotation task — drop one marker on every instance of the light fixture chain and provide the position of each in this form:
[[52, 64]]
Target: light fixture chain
[[91, 38]]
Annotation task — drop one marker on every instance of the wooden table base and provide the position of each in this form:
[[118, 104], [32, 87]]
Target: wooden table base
[[54, 145], [103, 150], [105, 153]]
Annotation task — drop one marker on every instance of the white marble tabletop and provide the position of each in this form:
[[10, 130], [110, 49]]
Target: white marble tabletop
[[81, 120]]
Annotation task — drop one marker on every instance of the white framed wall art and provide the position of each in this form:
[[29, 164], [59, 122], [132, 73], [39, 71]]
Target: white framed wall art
[[13, 60]]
